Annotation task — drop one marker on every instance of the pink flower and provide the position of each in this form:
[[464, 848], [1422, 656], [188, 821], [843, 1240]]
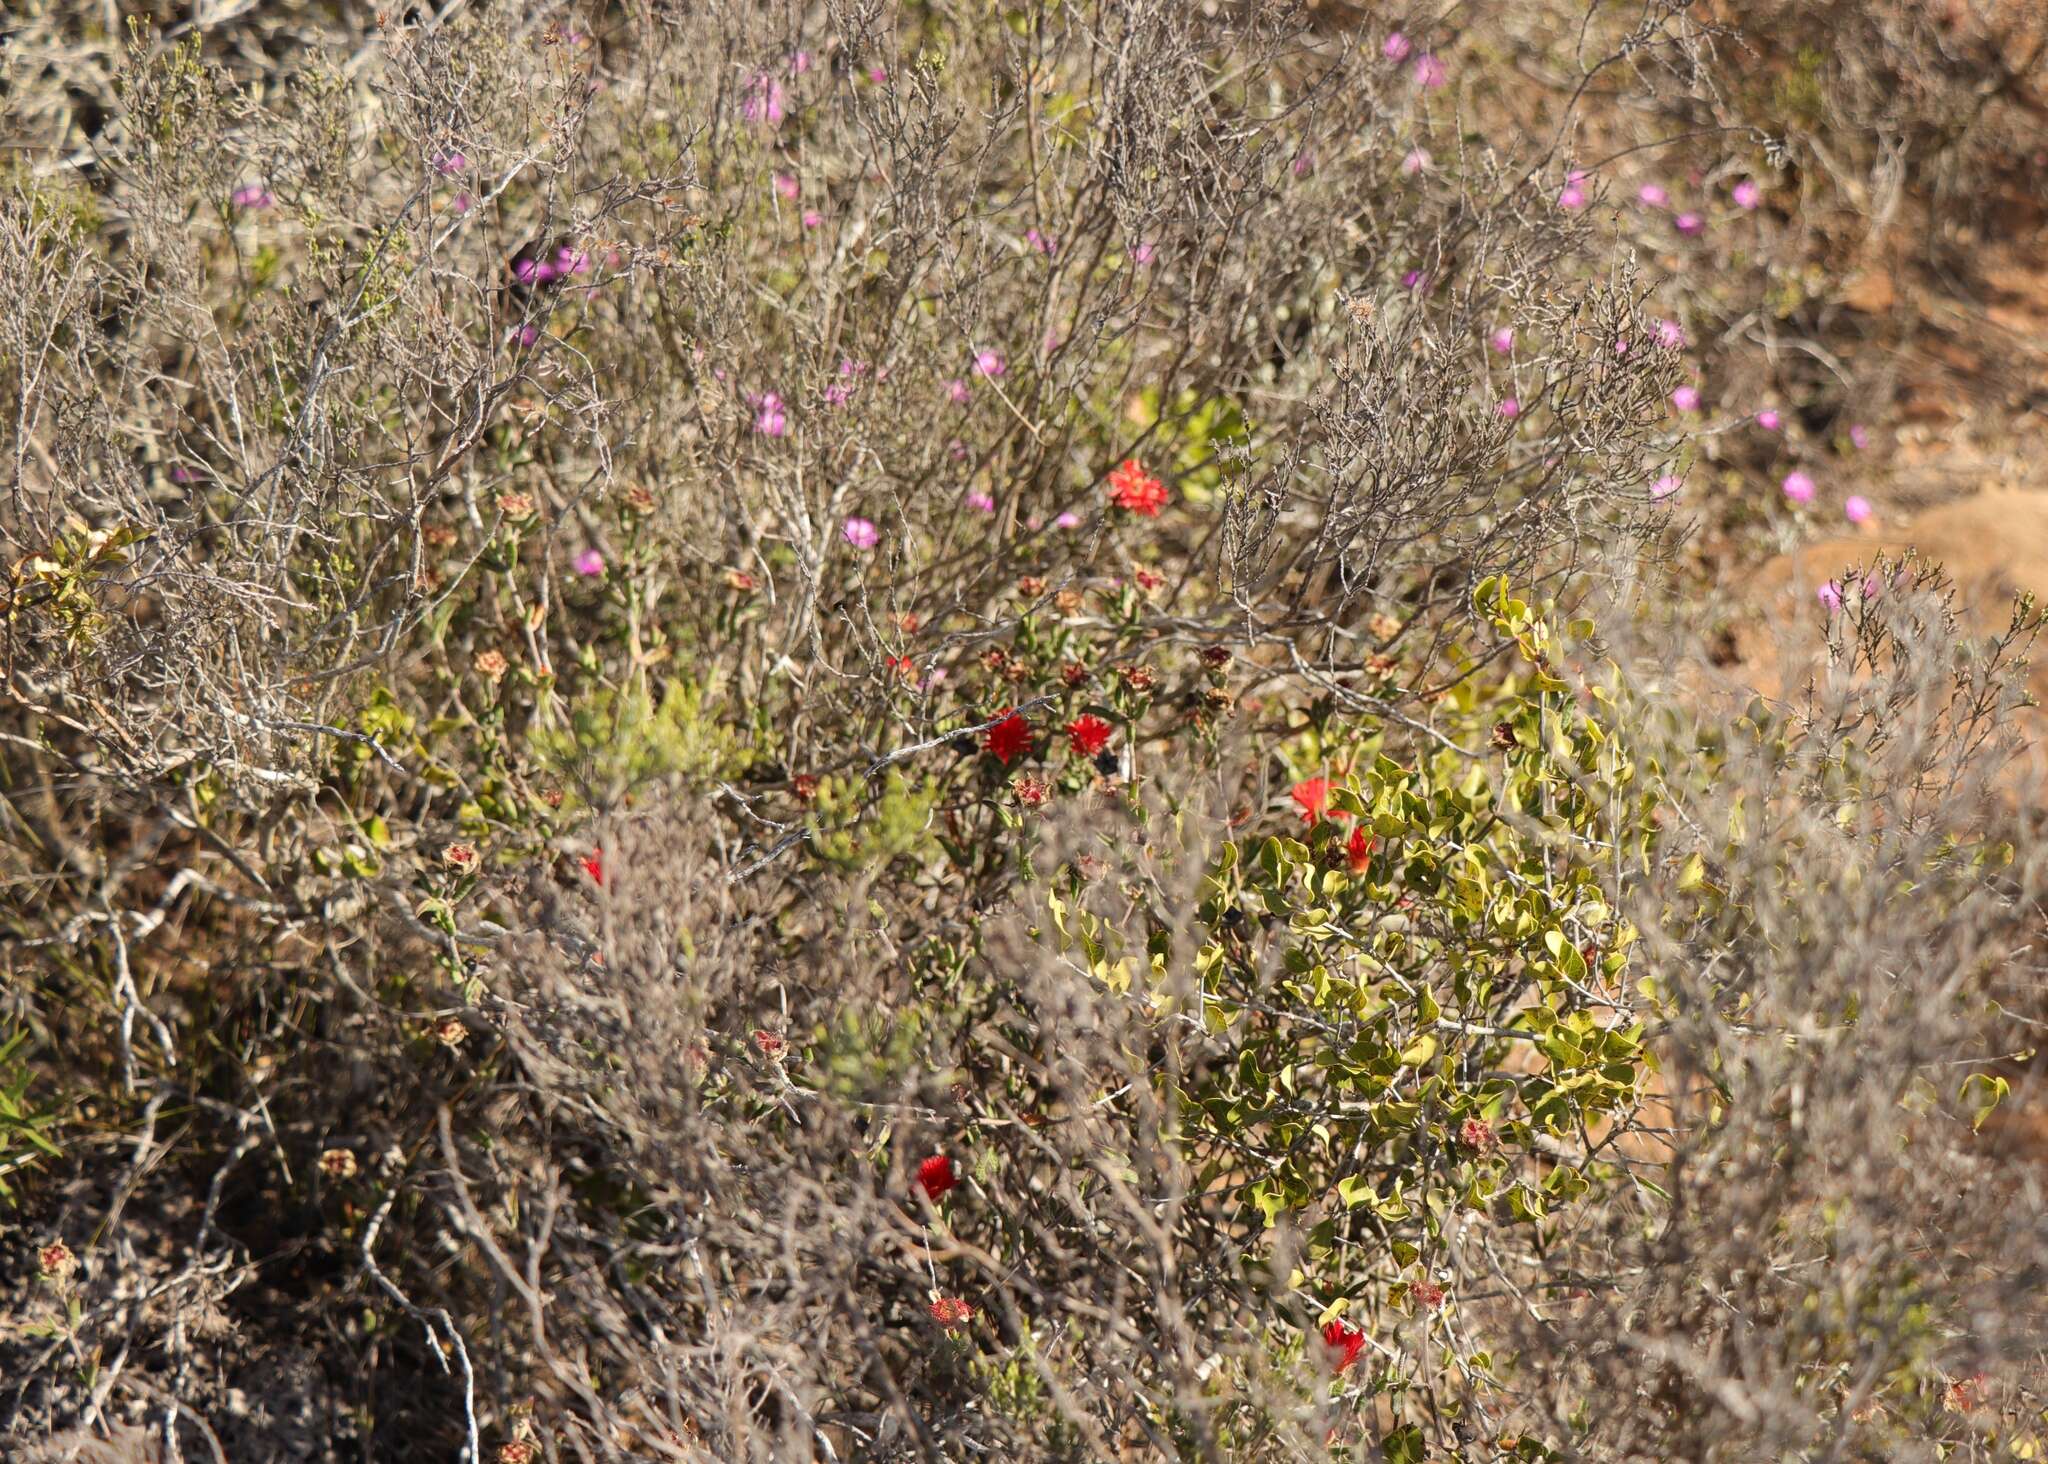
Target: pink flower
[[980, 502], [449, 163], [1830, 595], [1430, 73], [1143, 253], [1686, 399], [1670, 335], [878, 74], [1859, 436], [799, 62], [1651, 196], [958, 392], [1689, 224], [764, 101], [1748, 195], [990, 363], [1502, 340], [571, 262], [1510, 408], [462, 203], [769, 418], [786, 185], [1068, 520], [1416, 162], [1304, 164], [589, 563], [861, 533], [1571, 198], [1396, 47], [812, 218], [1667, 485], [1415, 280], [1857, 510], [1621, 348], [252, 196], [837, 393], [527, 334], [1798, 487], [1044, 243]]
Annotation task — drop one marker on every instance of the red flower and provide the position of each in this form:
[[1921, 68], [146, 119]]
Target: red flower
[[1427, 1294], [1313, 794], [950, 1312], [1345, 1343], [1477, 1135], [1010, 738], [593, 865], [904, 667], [935, 1176], [1090, 734], [1031, 792], [1358, 849], [1132, 488]]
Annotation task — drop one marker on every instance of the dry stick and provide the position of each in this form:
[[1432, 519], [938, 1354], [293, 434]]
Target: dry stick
[[426, 1319]]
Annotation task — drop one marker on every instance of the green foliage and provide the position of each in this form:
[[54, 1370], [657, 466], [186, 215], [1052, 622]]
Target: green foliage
[[24, 1131]]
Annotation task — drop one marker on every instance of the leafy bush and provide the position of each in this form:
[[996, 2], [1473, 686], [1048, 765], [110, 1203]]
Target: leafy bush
[[877, 731]]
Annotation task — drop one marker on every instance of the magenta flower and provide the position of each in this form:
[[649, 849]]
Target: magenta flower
[[1857, 510], [1798, 487], [589, 563], [1748, 195], [1689, 224], [1044, 243], [1621, 347], [1430, 73], [1502, 340], [462, 203], [1667, 485], [1830, 595], [812, 218], [861, 533], [1652, 196], [764, 102], [1304, 164], [252, 196], [769, 415], [990, 363], [526, 334], [1859, 436], [1396, 47], [450, 163], [571, 262], [980, 502], [1510, 408], [836, 394], [878, 73], [1670, 335], [1686, 399], [799, 62], [1415, 280], [1143, 253], [1571, 198], [1416, 162], [786, 186], [1068, 520], [1769, 420], [958, 392]]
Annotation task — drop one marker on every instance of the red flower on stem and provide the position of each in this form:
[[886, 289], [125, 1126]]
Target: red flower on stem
[[1313, 797], [1134, 489], [1427, 1294], [1345, 1343], [950, 1312], [593, 865], [936, 1175], [1358, 849], [1090, 734], [1009, 739]]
